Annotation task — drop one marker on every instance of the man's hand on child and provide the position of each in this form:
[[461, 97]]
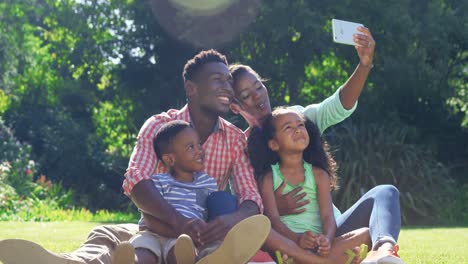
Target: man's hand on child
[[308, 240], [291, 202], [324, 244]]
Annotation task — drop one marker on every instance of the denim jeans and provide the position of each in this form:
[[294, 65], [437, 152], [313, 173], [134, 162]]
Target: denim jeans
[[378, 209], [220, 203]]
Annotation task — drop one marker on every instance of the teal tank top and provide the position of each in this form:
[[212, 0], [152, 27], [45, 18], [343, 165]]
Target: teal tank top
[[310, 219]]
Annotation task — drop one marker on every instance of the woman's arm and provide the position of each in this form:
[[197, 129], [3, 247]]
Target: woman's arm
[[270, 209], [353, 86]]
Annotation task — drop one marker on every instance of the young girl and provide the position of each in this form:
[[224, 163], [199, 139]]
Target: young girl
[[287, 147]]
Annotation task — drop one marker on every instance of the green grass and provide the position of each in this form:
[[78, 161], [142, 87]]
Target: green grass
[[417, 245], [56, 236], [434, 245]]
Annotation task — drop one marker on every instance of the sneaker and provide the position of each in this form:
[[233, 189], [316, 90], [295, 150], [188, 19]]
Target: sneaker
[[20, 251], [184, 250], [124, 253], [384, 257], [241, 242]]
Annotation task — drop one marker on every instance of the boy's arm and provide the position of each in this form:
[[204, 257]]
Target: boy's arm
[[322, 180], [157, 226], [268, 196]]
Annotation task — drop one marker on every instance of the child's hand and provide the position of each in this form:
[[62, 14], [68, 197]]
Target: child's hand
[[193, 228], [308, 240], [324, 244]]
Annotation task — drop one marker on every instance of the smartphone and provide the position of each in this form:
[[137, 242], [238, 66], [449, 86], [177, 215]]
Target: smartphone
[[343, 31]]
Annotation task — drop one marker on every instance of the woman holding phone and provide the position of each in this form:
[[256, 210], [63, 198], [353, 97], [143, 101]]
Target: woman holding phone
[[379, 208]]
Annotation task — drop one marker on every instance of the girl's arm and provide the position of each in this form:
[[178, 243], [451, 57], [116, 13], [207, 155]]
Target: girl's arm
[[270, 209], [327, 217]]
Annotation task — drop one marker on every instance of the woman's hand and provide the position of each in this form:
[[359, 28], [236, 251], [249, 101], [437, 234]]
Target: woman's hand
[[367, 45]]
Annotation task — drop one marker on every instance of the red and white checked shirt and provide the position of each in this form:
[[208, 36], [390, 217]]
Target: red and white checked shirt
[[224, 156]]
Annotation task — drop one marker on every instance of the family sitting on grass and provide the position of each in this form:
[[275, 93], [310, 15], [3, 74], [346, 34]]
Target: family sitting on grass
[[184, 159]]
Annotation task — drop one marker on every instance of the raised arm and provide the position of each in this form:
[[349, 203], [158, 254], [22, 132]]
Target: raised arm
[[352, 88], [343, 102]]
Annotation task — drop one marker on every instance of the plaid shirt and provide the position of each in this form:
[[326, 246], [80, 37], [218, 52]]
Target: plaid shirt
[[224, 156]]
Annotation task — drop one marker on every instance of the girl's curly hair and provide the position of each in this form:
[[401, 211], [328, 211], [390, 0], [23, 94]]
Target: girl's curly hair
[[316, 153]]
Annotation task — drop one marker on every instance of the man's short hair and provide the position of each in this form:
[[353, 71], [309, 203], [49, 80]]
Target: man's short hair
[[193, 66], [166, 135]]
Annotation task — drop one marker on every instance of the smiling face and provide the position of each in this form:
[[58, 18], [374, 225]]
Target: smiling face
[[186, 152], [252, 95], [290, 132], [213, 85]]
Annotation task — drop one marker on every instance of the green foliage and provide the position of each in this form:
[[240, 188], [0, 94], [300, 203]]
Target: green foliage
[[112, 121], [78, 78], [43, 211], [455, 208], [20, 197], [459, 81], [370, 155], [16, 166], [3, 101], [323, 77]]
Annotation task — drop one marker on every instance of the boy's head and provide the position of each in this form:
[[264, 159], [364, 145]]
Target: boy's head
[[178, 146], [208, 82]]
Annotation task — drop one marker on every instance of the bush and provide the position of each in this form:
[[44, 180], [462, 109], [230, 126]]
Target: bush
[[374, 154], [18, 191], [16, 166]]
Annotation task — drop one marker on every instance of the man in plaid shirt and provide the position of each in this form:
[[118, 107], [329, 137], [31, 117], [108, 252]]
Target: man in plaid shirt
[[208, 87]]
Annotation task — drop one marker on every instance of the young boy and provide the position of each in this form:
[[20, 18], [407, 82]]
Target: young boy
[[186, 188]]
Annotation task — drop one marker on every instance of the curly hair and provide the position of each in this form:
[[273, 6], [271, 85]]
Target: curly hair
[[193, 66], [316, 153]]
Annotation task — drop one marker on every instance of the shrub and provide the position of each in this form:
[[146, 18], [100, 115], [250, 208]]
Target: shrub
[[18, 192], [374, 154], [16, 166]]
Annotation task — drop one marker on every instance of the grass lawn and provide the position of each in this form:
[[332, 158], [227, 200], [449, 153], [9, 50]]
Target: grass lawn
[[417, 245]]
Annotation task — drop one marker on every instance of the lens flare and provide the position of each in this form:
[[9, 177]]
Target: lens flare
[[202, 7], [205, 23]]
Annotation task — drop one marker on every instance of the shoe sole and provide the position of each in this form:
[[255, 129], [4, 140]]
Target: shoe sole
[[124, 254], [184, 250], [242, 242], [19, 251], [386, 260], [390, 260]]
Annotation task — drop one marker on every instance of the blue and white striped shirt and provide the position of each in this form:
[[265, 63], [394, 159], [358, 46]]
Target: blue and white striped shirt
[[188, 198]]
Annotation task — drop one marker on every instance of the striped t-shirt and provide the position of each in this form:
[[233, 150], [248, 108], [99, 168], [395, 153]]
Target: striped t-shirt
[[188, 198]]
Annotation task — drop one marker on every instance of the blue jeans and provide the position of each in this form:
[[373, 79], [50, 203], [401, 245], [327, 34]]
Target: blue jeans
[[220, 203], [378, 209]]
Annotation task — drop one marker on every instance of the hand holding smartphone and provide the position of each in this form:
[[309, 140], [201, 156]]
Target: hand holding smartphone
[[343, 31]]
